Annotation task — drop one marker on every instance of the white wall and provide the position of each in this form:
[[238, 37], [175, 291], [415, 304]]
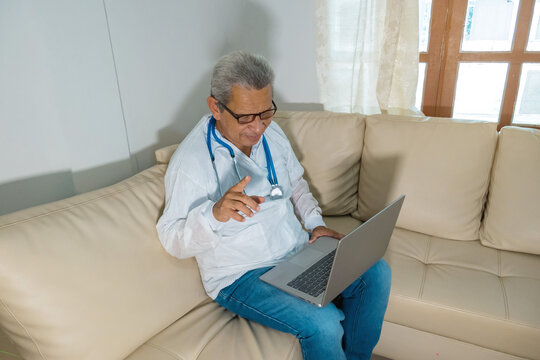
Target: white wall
[[89, 89], [290, 47], [59, 108]]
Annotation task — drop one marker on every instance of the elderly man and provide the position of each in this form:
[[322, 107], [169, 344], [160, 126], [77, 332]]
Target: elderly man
[[236, 200]]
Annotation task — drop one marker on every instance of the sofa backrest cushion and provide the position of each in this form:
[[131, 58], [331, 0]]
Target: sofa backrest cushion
[[87, 277], [512, 217], [442, 165], [329, 146]]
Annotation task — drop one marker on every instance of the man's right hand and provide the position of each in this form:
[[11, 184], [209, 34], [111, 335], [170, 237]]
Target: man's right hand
[[234, 200]]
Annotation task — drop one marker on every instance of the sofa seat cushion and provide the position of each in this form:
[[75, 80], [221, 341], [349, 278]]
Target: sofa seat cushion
[[462, 290], [209, 331], [466, 291], [512, 217], [442, 165]]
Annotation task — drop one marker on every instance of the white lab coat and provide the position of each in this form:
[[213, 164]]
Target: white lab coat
[[225, 251]]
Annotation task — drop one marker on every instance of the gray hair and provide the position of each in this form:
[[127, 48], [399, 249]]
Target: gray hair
[[240, 68]]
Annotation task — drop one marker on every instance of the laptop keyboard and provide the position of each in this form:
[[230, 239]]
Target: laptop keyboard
[[313, 280]]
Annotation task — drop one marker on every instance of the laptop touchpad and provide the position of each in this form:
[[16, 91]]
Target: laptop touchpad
[[306, 257]]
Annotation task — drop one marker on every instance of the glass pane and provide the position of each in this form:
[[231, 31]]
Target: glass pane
[[420, 86], [479, 91], [527, 110], [424, 19], [489, 25], [534, 35]]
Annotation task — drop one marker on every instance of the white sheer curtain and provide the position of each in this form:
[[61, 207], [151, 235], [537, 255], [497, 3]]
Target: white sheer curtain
[[367, 55]]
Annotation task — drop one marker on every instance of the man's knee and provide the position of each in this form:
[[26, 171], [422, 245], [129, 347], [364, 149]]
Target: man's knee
[[324, 323]]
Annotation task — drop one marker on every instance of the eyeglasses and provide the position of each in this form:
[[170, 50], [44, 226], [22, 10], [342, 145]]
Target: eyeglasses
[[247, 118]]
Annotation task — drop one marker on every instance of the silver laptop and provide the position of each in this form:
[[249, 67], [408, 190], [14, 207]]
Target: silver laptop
[[325, 268]]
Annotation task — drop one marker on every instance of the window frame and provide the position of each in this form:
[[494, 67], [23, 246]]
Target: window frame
[[444, 56]]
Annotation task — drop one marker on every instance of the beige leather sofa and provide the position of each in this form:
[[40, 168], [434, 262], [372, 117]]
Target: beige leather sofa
[[86, 277]]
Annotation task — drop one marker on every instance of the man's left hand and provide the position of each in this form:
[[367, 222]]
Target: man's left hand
[[323, 231]]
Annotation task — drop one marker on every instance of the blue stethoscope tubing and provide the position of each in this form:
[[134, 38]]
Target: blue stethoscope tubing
[[272, 177]]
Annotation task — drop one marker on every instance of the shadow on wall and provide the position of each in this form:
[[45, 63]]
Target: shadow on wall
[[252, 33], [36, 190], [189, 112], [25, 193]]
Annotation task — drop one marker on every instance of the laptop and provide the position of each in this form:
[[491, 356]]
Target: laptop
[[322, 270]]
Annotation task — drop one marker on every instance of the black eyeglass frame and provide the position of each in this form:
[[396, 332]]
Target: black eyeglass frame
[[252, 116]]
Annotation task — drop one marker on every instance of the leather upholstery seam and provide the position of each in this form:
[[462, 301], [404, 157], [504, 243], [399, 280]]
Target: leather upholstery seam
[[499, 266], [503, 288], [470, 268], [23, 327], [424, 274], [216, 334], [465, 267], [82, 203], [166, 351]]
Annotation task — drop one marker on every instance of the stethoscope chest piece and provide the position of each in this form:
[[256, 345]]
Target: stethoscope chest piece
[[276, 192]]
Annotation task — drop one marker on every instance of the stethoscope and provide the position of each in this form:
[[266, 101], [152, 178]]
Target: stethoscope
[[275, 193]]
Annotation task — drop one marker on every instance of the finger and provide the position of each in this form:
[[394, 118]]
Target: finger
[[335, 234], [241, 185], [248, 200], [324, 231], [236, 216], [240, 206], [235, 206], [258, 199]]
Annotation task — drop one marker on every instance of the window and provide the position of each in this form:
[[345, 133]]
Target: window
[[480, 59]]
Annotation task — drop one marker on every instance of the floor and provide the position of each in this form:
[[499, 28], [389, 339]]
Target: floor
[[377, 357]]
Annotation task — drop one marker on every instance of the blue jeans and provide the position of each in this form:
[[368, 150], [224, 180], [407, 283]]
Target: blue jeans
[[347, 328]]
